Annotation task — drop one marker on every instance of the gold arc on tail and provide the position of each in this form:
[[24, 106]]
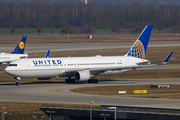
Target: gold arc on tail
[[137, 50]]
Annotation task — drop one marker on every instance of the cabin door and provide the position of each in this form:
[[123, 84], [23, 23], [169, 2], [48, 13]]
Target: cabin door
[[26, 66], [127, 62]]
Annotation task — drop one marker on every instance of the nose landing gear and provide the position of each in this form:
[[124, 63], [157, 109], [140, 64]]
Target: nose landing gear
[[17, 80]]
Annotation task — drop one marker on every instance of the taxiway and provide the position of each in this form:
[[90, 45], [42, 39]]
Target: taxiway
[[60, 93]]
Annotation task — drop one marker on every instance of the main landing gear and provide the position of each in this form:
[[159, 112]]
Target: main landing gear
[[93, 81], [17, 80], [69, 80]]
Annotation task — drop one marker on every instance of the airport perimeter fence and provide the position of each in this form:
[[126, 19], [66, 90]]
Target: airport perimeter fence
[[118, 108], [145, 109]]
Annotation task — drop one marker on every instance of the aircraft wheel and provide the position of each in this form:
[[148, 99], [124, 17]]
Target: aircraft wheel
[[70, 80], [73, 80], [95, 81], [67, 81], [18, 83]]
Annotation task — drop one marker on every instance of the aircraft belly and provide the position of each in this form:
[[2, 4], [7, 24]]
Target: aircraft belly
[[114, 72]]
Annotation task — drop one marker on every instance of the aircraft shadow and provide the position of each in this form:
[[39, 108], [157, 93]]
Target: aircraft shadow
[[80, 82]]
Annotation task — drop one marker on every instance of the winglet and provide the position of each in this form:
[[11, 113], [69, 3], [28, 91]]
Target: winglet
[[47, 54], [19, 49], [167, 59]]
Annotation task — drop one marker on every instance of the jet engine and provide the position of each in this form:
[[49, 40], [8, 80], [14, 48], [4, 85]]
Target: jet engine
[[82, 75]]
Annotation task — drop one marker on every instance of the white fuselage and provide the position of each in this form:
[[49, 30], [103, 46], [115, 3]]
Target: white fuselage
[[53, 67], [6, 58]]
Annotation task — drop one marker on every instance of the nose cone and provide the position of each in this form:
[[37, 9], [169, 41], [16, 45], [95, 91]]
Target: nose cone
[[6, 70], [9, 71]]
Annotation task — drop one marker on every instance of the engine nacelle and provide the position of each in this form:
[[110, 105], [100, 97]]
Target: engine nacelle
[[82, 75]]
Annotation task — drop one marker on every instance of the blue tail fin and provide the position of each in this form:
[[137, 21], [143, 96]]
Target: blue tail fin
[[140, 46], [19, 49], [47, 54]]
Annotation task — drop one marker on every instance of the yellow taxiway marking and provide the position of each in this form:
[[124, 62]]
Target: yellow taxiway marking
[[48, 90], [80, 94]]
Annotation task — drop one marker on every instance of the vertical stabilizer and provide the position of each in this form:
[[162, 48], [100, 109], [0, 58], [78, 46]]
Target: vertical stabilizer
[[47, 54], [139, 48], [19, 49]]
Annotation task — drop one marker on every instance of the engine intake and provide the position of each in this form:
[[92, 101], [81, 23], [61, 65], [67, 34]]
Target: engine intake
[[82, 75]]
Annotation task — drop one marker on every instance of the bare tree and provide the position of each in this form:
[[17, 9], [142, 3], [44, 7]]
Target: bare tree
[[13, 29], [59, 13], [74, 30], [88, 29], [52, 31], [113, 29], [63, 30], [159, 28], [39, 29]]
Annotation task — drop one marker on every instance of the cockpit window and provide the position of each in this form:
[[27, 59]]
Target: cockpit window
[[13, 65]]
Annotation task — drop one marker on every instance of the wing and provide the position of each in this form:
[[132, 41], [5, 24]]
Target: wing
[[96, 71]]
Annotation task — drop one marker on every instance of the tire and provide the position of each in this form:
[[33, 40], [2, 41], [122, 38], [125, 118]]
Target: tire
[[18, 83], [73, 80], [67, 81], [93, 81]]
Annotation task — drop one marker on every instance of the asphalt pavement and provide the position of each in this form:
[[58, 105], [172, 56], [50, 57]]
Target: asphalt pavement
[[59, 92], [70, 47]]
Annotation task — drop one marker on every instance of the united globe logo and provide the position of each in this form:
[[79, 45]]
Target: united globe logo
[[21, 45], [137, 50]]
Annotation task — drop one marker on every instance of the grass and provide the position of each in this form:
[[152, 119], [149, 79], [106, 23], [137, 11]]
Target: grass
[[165, 96], [82, 39], [162, 93], [25, 110], [22, 110], [113, 90]]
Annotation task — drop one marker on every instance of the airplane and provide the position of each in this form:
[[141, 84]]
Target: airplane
[[18, 53], [84, 68]]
